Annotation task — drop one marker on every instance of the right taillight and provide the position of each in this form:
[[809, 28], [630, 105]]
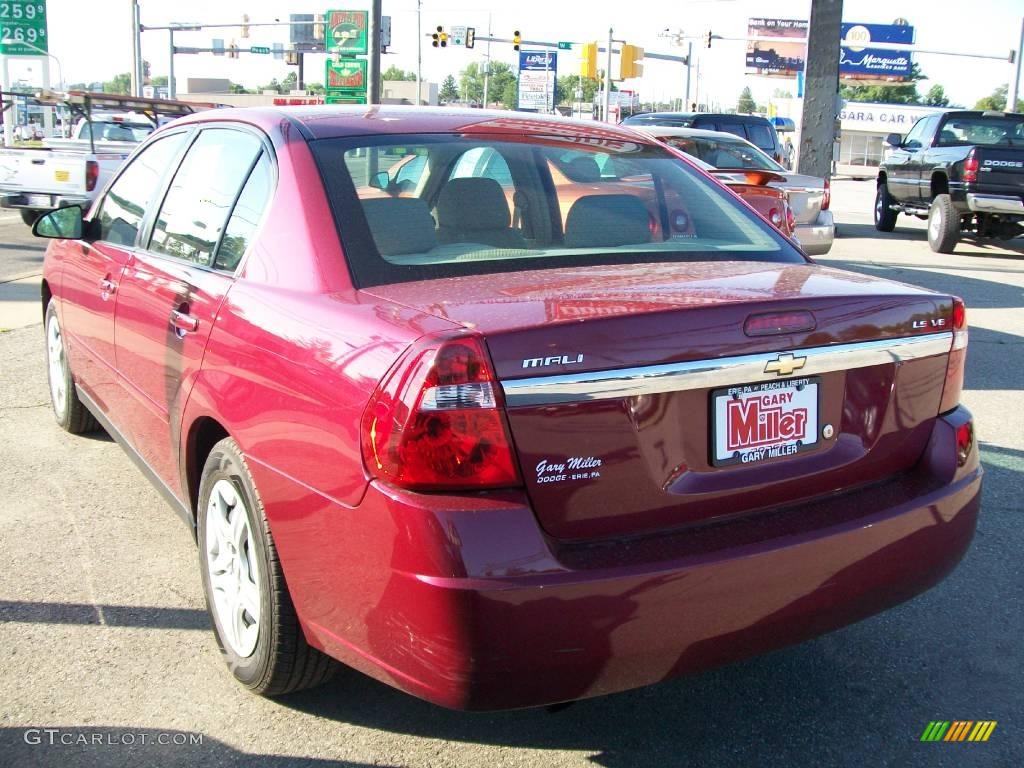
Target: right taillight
[[92, 174], [970, 168], [826, 199], [436, 421], [957, 357]]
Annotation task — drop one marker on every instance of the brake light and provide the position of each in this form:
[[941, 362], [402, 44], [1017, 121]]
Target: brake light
[[957, 358], [826, 200], [971, 168], [775, 217], [964, 442], [775, 323], [790, 219], [436, 420], [92, 175]]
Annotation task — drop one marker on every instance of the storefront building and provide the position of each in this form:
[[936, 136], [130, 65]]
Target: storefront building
[[863, 128]]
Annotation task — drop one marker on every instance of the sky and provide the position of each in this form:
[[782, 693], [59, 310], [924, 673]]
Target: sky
[[92, 40]]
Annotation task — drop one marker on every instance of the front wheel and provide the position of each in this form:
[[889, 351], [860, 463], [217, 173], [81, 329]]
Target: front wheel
[[943, 225], [68, 410], [253, 616], [885, 217]]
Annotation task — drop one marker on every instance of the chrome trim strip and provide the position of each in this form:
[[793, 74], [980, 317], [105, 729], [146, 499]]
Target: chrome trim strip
[[713, 374]]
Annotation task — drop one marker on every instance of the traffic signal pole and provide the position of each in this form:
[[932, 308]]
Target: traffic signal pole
[[608, 76]]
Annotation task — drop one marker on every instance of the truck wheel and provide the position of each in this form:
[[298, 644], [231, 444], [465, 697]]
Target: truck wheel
[[29, 215], [253, 616], [943, 225], [885, 217], [70, 412]]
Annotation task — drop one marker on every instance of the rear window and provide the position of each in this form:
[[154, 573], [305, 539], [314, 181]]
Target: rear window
[[723, 153], [418, 207], [994, 131], [116, 131], [761, 136]]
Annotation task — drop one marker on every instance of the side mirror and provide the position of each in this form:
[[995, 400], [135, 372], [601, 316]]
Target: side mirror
[[380, 180], [63, 223], [893, 139]]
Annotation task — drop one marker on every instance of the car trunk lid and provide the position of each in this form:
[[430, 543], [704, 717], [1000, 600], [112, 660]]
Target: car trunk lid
[[618, 383]]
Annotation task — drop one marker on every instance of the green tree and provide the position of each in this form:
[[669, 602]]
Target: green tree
[[936, 97], [510, 95], [997, 100], [471, 81], [568, 84], [394, 73], [236, 88], [782, 93], [746, 103], [122, 83], [159, 80], [904, 93], [290, 82], [273, 85], [449, 89], [315, 87]]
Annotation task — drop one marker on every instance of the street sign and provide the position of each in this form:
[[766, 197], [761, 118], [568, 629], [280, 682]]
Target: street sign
[[564, 46], [23, 27], [217, 44], [347, 32], [259, 49], [345, 77], [339, 98], [458, 36]]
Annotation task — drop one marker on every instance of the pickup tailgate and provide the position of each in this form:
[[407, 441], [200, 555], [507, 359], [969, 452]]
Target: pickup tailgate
[[1000, 170], [43, 171], [638, 397]]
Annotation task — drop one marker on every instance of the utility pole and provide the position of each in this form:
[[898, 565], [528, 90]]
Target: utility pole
[[136, 72], [608, 75], [487, 64], [419, 51], [689, 65], [821, 88], [373, 96], [1014, 89], [171, 92]]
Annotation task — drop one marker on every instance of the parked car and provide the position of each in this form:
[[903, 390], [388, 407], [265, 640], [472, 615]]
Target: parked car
[[490, 454], [758, 130], [962, 171], [809, 196]]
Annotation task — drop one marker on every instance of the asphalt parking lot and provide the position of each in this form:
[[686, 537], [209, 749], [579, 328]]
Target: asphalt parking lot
[[108, 658]]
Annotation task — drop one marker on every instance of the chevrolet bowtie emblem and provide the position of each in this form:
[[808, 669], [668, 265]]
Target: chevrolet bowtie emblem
[[785, 364]]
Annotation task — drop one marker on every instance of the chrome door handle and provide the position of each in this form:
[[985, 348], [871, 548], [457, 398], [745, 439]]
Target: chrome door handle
[[184, 322], [107, 286]]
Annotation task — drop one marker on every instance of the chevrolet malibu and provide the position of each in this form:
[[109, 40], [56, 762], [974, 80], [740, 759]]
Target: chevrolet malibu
[[502, 410]]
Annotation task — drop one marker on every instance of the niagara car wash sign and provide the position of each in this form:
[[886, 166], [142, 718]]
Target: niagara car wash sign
[[23, 27]]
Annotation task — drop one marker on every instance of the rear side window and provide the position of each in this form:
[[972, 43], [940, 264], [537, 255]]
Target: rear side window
[[121, 211], [196, 206], [246, 215], [761, 136]]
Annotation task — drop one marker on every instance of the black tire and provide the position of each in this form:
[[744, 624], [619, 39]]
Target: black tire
[[281, 661], [29, 216], [68, 410], [943, 225], [885, 217]]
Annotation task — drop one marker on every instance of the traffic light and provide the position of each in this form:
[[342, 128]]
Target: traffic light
[[470, 37], [707, 39], [291, 58], [628, 66], [588, 60], [319, 27], [232, 50], [245, 25], [439, 38], [517, 40]]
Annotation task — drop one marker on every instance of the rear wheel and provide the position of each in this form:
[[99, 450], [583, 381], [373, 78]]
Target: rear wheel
[[68, 410], [943, 225], [253, 616], [885, 217]]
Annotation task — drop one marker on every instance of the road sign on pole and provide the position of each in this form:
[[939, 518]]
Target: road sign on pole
[[347, 32], [564, 46], [259, 49], [23, 27], [458, 35], [345, 77]]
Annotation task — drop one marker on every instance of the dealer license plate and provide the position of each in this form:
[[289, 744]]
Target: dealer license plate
[[38, 201], [759, 422]]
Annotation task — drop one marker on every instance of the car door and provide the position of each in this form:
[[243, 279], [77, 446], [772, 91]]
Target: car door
[[173, 288], [903, 165], [94, 266]]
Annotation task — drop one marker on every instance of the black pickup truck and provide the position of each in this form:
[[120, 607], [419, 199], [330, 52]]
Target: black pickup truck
[[963, 171]]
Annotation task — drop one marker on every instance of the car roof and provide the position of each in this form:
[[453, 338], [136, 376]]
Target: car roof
[[331, 121], [700, 115], [695, 133]]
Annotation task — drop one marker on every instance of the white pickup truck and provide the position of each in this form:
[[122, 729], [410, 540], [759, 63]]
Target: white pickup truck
[[69, 171]]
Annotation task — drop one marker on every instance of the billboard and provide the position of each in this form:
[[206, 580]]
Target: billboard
[[776, 57], [537, 73]]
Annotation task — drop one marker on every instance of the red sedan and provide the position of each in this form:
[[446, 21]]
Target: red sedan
[[502, 410]]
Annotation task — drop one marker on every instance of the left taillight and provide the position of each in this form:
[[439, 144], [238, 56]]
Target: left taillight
[[437, 421], [826, 199], [92, 175], [957, 358]]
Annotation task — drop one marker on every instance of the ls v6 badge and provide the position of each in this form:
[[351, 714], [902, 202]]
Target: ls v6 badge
[[937, 322]]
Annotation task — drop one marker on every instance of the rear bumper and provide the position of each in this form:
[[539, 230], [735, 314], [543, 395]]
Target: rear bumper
[[1005, 204], [465, 602], [41, 201], [816, 238]]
